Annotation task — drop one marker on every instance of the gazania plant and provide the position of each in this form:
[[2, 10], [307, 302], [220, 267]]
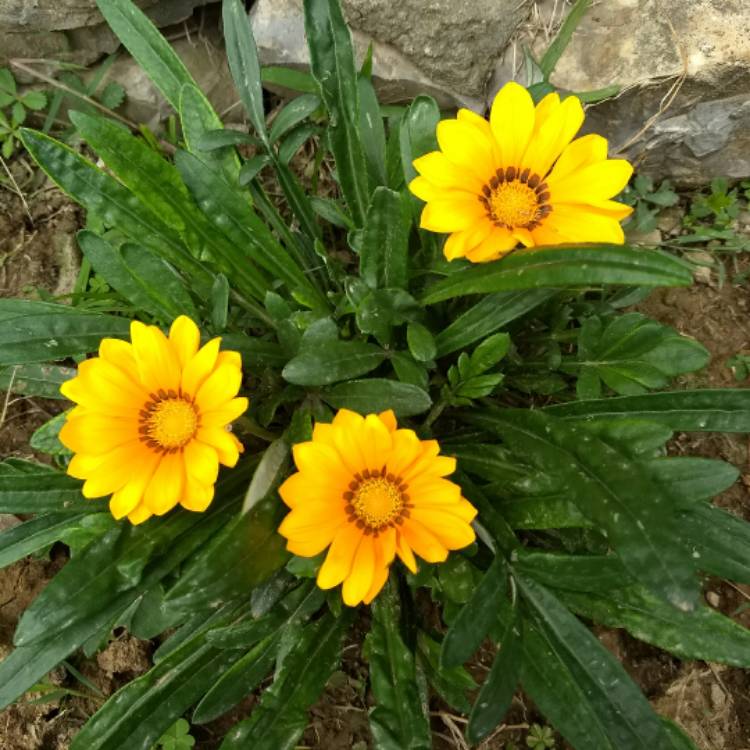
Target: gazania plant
[[361, 370]]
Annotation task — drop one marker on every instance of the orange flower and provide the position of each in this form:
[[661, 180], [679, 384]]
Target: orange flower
[[369, 491], [150, 427]]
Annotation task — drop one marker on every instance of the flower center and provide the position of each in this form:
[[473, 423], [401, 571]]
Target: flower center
[[168, 421], [515, 198], [376, 499]]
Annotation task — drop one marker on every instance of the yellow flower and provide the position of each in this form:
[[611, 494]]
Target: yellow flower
[[372, 491], [519, 178], [150, 427]]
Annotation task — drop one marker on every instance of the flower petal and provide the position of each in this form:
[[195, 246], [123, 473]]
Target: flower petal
[[166, 486], [362, 574], [185, 339], [554, 134], [200, 367], [218, 388], [423, 542], [512, 122], [452, 214], [338, 563], [499, 242], [436, 168], [595, 182], [467, 147]]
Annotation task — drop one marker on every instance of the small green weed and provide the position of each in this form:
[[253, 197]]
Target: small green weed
[[177, 737], [16, 106]]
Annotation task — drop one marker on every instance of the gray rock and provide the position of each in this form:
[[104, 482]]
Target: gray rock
[[644, 46], [72, 31], [278, 26], [454, 42]]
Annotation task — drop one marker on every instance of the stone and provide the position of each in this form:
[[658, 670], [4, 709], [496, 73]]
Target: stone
[[72, 31], [453, 42], [406, 54], [205, 58], [645, 46]]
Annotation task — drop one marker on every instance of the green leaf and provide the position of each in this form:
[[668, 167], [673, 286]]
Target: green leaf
[[399, 718], [633, 353], [564, 266], [46, 439], [231, 215], [372, 132], [450, 684], [252, 168], [385, 241], [243, 62], [421, 342], [30, 536], [240, 557], [41, 331], [244, 676], [281, 717], [139, 713], [220, 303], [34, 100], [150, 49], [496, 693], [36, 379], [332, 361], [702, 634], [691, 479], [374, 395], [637, 515], [709, 410], [586, 573], [141, 276], [113, 95], [720, 542], [332, 66], [292, 114], [27, 487], [493, 312], [562, 39], [103, 196], [578, 685], [476, 618], [417, 135], [289, 78]]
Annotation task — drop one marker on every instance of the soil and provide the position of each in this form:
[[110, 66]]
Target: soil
[[37, 250]]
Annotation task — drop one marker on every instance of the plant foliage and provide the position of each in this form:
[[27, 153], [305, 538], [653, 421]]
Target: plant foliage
[[336, 299]]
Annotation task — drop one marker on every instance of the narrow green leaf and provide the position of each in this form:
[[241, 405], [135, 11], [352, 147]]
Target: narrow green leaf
[[702, 634], [141, 711], [103, 196], [149, 48], [30, 536], [399, 718], [243, 62], [638, 516], [377, 394], [562, 39], [220, 302], [709, 410], [332, 66], [240, 557], [27, 487], [385, 241], [281, 717], [332, 361], [586, 573], [490, 314], [634, 353], [421, 342], [578, 685], [33, 331], [230, 214], [476, 618], [372, 131], [564, 266], [417, 135], [496, 693], [292, 114], [719, 540], [252, 168], [36, 379], [140, 275], [289, 78]]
